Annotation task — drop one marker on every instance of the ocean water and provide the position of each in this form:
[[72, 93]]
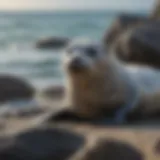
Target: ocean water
[[19, 31]]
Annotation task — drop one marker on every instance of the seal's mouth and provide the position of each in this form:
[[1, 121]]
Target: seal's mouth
[[77, 66]]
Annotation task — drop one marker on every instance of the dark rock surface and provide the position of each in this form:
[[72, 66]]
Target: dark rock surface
[[120, 25], [14, 88], [43, 143], [140, 45], [52, 43], [112, 150]]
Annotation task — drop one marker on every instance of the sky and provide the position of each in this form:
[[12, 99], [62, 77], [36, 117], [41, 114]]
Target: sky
[[75, 4]]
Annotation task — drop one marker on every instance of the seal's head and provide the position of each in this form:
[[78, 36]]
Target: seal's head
[[92, 78], [83, 57]]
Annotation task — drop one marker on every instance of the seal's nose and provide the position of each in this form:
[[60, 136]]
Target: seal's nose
[[76, 64]]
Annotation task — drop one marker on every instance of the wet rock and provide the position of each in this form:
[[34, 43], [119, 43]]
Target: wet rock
[[43, 143], [52, 43], [140, 45], [14, 88], [111, 150], [120, 25]]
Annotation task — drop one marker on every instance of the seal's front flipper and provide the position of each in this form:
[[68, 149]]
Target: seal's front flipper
[[66, 115]]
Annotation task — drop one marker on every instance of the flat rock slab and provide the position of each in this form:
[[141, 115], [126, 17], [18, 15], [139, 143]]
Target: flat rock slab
[[142, 142], [112, 149], [39, 144]]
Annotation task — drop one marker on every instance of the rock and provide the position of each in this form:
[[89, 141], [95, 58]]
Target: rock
[[120, 25], [140, 45], [156, 11], [54, 92], [14, 88], [43, 143], [52, 43], [111, 150]]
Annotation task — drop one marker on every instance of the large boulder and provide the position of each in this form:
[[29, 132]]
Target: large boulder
[[14, 88], [42, 143], [120, 25], [140, 45], [52, 43]]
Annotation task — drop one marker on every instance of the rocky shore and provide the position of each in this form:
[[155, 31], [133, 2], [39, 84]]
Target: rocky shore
[[34, 135], [30, 133], [23, 139]]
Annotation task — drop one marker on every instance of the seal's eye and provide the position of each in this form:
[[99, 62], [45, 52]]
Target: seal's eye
[[91, 52]]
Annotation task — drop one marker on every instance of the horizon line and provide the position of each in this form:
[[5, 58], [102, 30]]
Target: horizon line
[[70, 10]]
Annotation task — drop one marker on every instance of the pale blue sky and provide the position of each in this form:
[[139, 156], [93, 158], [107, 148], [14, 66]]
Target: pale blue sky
[[75, 4]]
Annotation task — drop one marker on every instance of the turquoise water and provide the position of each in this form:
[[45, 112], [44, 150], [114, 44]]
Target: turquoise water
[[20, 31]]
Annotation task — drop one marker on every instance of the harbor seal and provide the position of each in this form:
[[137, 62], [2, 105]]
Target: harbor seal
[[99, 84]]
